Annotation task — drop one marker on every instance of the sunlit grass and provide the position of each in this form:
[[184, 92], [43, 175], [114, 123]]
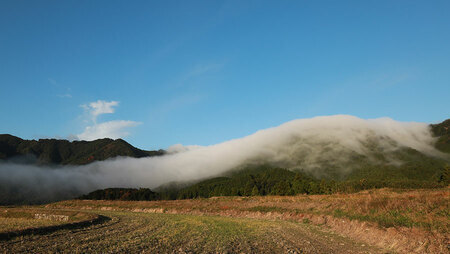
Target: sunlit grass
[[13, 224], [15, 219], [425, 209]]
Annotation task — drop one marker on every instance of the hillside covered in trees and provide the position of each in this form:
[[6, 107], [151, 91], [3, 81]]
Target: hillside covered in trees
[[266, 180], [417, 170], [122, 194], [442, 131], [57, 151], [402, 167]]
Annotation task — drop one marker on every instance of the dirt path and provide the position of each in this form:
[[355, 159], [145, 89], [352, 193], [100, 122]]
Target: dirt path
[[171, 233]]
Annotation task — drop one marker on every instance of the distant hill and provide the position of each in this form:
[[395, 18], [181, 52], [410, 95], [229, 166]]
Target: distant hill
[[64, 152], [416, 170], [267, 180], [403, 167], [442, 130], [122, 194]]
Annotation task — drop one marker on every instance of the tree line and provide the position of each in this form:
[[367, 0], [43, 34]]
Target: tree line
[[267, 181]]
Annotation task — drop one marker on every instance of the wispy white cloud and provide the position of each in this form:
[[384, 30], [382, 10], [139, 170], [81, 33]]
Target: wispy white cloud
[[112, 129], [100, 107]]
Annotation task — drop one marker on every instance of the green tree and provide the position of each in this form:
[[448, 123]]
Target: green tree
[[255, 191]]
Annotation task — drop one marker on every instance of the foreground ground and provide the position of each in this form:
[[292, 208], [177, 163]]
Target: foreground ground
[[379, 221], [166, 233]]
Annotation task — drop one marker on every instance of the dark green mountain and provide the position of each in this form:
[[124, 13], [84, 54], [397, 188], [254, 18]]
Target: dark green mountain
[[416, 170], [122, 194], [442, 131], [56, 151], [401, 168]]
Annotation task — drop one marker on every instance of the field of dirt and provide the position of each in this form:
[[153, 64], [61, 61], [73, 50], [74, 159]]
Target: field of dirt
[[172, 233], [379, 221]]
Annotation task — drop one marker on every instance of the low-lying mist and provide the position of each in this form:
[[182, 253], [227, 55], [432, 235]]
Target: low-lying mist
[[304, 144]]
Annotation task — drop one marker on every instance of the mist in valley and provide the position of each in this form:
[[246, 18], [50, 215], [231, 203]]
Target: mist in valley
[[304, 144]]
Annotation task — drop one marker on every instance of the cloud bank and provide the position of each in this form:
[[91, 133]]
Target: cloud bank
[[111, 129], [306, 144]]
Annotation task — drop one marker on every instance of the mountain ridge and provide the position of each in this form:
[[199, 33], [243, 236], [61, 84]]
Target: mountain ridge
[[418, 170], [382, 160], [64, 152], [442, 132]]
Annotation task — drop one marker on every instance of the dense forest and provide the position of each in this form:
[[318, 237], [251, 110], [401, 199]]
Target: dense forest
[[58, 151], [266, 180], [416, 171], [442, 131], [413, 170], [122, 194]]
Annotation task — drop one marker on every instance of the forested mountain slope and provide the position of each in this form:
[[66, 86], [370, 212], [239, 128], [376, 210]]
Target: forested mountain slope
[[57, 151]]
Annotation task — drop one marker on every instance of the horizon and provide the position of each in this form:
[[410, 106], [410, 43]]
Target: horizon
[[202, 73], [183, 147]]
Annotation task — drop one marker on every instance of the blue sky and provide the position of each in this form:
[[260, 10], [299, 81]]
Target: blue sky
[[202, 72]]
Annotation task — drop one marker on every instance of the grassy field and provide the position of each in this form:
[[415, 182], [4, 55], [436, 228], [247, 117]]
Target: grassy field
[[426, 209], [168, 233], [12, 224], [377, 221], [17, 219]]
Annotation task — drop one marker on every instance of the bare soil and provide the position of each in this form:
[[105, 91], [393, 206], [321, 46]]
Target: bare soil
[[171, 233]]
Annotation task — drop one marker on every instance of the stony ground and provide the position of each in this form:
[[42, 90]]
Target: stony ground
[[136, 232]]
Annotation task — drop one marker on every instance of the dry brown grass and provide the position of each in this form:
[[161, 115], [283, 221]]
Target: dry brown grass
[[132, 232], [12, 224], [16, 219], [426, 209], [404, 221]]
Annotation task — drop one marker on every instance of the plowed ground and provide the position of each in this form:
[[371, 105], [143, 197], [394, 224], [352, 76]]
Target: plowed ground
[[135, 232]]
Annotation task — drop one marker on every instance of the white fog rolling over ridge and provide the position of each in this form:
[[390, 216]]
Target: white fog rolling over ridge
[[299, 144]]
